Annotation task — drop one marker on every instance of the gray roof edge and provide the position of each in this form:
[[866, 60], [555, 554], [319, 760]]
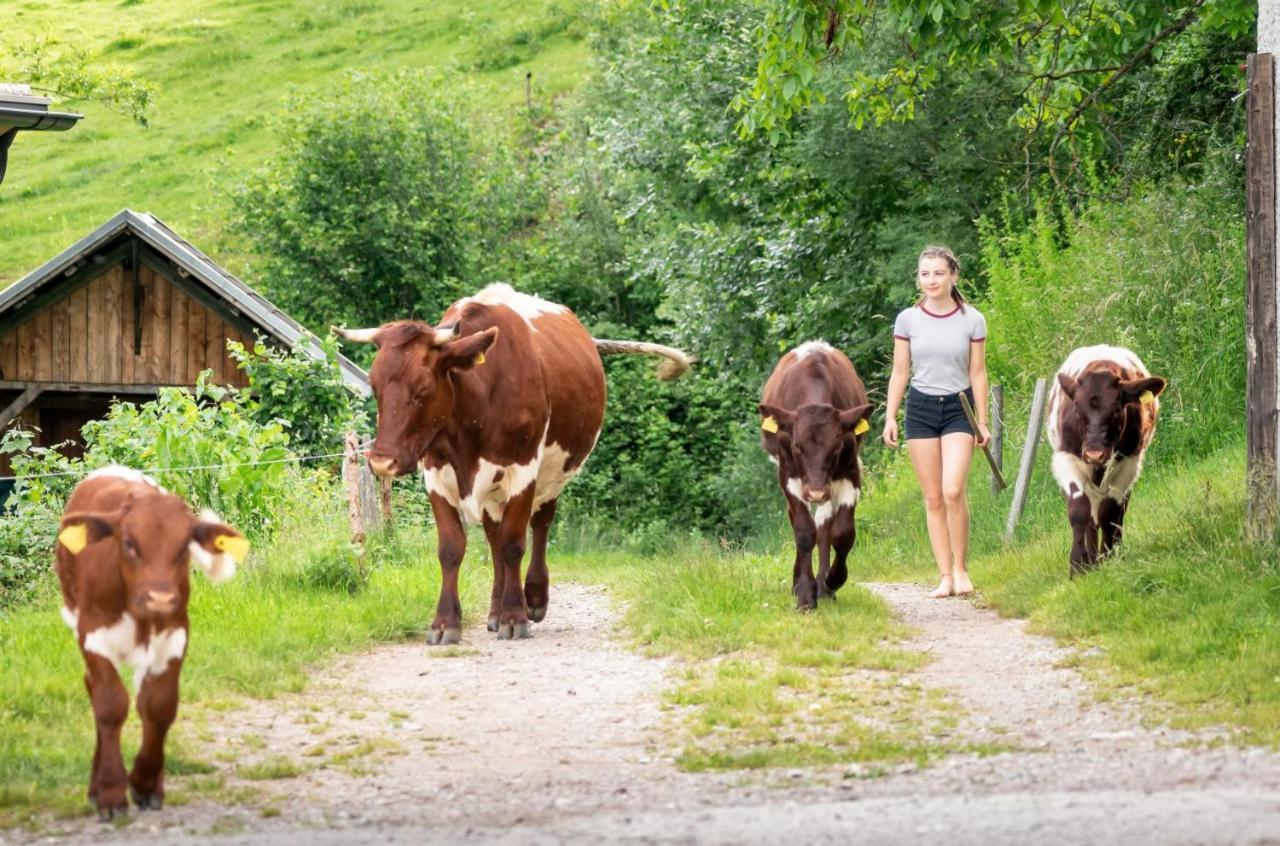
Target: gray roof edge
[[163, 239]]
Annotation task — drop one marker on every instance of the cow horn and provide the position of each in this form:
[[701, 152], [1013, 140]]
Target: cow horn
[[445, 333], [360, 336]]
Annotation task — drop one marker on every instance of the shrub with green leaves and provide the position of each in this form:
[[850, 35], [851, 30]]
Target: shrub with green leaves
[[302, 393]]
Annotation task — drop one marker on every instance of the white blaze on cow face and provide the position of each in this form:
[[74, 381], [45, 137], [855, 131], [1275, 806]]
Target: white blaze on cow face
[[118, 471], [810, 347]]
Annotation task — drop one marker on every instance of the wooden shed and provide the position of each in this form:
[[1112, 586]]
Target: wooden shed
[[126, 310]]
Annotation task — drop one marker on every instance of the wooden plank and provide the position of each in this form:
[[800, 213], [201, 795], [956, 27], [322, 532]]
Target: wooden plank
[[196, 314], [1260, 298], [231, 372], [113, 323], [95, 331], [26, 368], [78, 334], [19, 405], [9, 355], [1023, 485], [42, 328], [127, 363], [177, 337], [155, 328], [215, 344], [60, 340], [996, 405]]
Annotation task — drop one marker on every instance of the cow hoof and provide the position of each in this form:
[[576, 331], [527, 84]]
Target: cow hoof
[[513, 631], [536, 615], [439, 637], [492, 625], [147, 801], [107, 814]]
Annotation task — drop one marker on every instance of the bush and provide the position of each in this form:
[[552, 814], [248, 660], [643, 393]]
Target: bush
[[304, 394], [376, 208], [1161, 273]]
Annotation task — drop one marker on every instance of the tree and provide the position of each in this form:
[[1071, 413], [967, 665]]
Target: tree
[[64, 70]]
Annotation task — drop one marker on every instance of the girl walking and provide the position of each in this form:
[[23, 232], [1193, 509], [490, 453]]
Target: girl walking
[[938, 348]]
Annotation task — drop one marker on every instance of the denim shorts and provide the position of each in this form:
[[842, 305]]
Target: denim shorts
[[930, 416]]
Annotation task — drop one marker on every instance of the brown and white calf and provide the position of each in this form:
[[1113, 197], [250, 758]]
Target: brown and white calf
[[1102, 416], [814, 414], [122, 558], [499, 404]]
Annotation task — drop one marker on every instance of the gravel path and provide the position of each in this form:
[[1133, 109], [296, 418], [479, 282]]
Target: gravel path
[[562, 739]]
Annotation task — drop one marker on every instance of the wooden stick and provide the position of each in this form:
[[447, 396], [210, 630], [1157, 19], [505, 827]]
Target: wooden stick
[[997, 432], [1021, 487], [351, 476], [997, 481]]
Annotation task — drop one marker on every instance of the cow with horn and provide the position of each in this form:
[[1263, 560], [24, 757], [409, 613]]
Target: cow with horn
[[499, 404]]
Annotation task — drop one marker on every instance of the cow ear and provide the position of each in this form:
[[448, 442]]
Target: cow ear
[[1068, 384], [81, 528], [217, 547], [1143, 390], [855, 419], [466, 353], [774, 419]]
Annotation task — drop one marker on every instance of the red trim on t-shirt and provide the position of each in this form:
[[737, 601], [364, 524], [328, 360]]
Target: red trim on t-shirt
[[902, 337], [939, 316], [977, 340]]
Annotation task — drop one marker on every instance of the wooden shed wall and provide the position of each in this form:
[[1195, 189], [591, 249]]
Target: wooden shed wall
[[88, 336]]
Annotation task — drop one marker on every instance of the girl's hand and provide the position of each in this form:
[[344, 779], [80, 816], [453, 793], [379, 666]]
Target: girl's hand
[[984, 435], [890, 434]]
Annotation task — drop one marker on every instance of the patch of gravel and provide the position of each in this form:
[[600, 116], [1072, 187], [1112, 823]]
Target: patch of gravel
[[563, 739]]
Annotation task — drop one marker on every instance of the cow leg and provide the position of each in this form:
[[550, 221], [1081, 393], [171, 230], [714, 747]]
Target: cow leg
[[451, 543], [824, 550], [803, 584], [110, 707], [513, 621], [1084, 542], [842, 534], [157, 706], [537, 581], [499, 572], [1111, 520]]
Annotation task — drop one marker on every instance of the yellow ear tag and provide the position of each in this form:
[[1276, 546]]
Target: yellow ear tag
[[769, 424], [479, 359], [236, 547], [74, 538], [862, 428], [1147, 398]]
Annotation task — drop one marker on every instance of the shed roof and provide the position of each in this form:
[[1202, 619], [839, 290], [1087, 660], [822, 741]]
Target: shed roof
[[155, 234]]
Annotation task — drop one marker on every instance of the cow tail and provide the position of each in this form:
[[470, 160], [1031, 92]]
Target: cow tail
[[674, 363]]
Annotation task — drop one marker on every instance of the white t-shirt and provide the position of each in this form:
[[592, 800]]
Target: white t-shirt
[[940, 346]]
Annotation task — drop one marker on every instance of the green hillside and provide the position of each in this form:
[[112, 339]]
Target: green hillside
[[222, 70]]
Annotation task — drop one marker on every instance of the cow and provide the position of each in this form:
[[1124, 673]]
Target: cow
[[1102, 416], [499, 404], [122, 557], [814, 414]]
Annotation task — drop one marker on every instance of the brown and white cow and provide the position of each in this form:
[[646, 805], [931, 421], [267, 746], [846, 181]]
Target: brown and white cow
[[814, 412], [122, 558], [1102, 415], [499, 404]]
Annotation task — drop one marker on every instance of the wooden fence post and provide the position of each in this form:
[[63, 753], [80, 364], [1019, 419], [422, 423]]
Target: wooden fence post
[[1263, 451], [1025, 466], [997, 432], [351, 480]]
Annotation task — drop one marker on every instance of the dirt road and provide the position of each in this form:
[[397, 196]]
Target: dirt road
[[563, 739]]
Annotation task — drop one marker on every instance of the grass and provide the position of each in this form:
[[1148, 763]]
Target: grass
[[1186, 614], [221, 72], [762, 685]]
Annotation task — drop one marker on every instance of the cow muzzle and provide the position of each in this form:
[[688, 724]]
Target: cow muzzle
[[816, 494], [385, 467], [1095, 456], [153, 602]]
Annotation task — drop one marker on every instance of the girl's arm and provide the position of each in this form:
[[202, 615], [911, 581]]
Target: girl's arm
[[978, 378], [897, 387]]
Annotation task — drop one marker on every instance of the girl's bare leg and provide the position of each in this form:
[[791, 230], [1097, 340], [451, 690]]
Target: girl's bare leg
[[926, 458]]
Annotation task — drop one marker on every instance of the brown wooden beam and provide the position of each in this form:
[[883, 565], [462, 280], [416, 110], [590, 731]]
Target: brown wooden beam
[[1260, 298], [19, 405], [85, 387]]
